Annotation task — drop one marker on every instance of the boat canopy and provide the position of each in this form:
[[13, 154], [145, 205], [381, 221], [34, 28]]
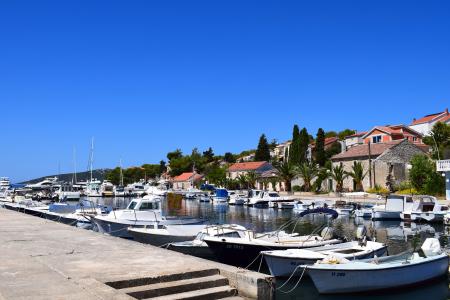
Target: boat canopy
[[321, 210], [221, 193]]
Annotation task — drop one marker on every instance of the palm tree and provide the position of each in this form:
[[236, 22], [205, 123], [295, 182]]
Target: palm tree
[[286, 173], [242, 181], [307, 171], [338, 174], [251, 179], [358, 175]]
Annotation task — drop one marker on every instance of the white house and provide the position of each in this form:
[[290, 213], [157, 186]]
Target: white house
[[426, 123]]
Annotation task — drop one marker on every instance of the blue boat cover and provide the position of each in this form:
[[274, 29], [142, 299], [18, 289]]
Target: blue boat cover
[[221, 193]]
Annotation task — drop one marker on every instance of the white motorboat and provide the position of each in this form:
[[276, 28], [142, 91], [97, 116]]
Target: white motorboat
[[266, 198], [198, 247], [45, 184], [161, 235], [363, 211], [395, 204], [4, 183], [119, 191], [336, 275], [204, 198], [236, 198], [343, 208], [93, 188], [136, 189], [107, 188], [283, 263], [426, 209], [192, 193], [220, 196], [139, 213], [66, 192], [156, 191]]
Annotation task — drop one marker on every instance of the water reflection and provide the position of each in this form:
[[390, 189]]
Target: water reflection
[[397, 235]]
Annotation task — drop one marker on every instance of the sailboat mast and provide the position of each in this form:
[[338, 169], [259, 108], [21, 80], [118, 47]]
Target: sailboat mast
[[92, 157], [74, 177], [121, 173]]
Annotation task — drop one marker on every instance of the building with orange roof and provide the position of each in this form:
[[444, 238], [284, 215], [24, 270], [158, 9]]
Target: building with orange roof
[[186, 180], [389, 133], [243, 168], [426, 123]]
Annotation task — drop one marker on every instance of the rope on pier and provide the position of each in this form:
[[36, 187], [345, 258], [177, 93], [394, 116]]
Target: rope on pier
[[296, 285]]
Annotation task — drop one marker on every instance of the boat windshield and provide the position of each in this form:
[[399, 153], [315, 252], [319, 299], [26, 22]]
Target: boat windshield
[[132, 205], [149, 205], [273, 195]]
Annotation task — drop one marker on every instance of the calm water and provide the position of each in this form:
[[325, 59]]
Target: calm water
[[397, 235]]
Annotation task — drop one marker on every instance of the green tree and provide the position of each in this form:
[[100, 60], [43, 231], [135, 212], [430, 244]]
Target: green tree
[[320, 148], [307, 171], [229, 157], [273, 144], [262, 151], [358, 174], [216, 174], [423, 176], [344, 133], [251, 179], [304, 141], [174, 154], [286, 173], [162, 167], [329, 134], [208, 155], [294, 149], [439, 140], [338, 174]]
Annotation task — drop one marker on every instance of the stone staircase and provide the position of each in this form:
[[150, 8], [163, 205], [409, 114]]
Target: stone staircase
[[202, 284]]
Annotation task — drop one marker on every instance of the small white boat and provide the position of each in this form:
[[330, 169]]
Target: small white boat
[[199, 248], [363, 211], [426, 209], [395, 204], [107, 188], [266, 198], [204, 198], [334, 275], [343, 208], [283, 263], [236, 198], [160, 235]]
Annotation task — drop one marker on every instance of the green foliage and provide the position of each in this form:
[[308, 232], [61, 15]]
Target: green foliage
[[338, 174], [439, 140], [294, 149], [307, 171], [162, 167], [208, 155], [286, 173], [344, 133], [273, 144], [296, 188], [329, 134], [262, 151], [174, 154], [378, 190], [215, 174], [320, 148], [358, 174], [410, 191], [420, 171], [229, 157], [304, 141], [333, 150], [134, 174]]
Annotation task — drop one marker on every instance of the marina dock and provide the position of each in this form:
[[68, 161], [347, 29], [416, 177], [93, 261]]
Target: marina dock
[[48, 260]]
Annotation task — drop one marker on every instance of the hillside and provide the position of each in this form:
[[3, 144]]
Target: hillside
[[81, 176]]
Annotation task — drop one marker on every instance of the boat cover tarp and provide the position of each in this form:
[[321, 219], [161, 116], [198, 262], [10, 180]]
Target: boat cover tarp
[[321, 210]]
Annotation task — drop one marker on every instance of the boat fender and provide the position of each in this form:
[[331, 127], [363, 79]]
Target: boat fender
[[431, 247]]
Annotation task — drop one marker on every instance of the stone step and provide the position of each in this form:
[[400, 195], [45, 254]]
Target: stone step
[[206, 294], [127, 283], [175, 287], [232, 298]]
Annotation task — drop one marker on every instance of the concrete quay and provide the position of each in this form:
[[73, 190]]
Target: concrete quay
[[43, 259]]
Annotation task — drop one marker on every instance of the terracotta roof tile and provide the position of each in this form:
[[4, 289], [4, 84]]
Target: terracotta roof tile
[[187, 176], [431, 117], [363, 150], [247, 166]]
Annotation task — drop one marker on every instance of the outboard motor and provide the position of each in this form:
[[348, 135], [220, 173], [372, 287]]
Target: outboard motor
[[361, 232], [431, 247], [327, 233]]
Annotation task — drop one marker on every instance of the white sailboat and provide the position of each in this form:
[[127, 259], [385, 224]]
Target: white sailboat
[[93, 185]]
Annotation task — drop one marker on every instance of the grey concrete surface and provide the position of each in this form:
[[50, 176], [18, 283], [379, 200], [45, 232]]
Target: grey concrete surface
[[42, 259]]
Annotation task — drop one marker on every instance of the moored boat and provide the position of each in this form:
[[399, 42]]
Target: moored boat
[[160, 235]]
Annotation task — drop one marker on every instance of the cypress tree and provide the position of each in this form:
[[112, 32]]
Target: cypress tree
[[303, 145], [262, 152], [294, 150], [320, 147]]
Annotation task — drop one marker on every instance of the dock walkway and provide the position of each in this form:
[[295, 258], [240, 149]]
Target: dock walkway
[[43, 259]]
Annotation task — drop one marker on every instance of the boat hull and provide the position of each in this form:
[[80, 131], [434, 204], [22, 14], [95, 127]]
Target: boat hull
[[386, 215], [285, 266], [194, 250], [158, 239], [336, 280]]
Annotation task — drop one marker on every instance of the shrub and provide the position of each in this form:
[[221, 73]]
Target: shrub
[[408, 191], [378, 190], [296, 188]]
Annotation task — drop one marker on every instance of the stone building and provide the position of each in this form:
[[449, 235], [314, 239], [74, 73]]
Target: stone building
[[186, 180], [390, 158]]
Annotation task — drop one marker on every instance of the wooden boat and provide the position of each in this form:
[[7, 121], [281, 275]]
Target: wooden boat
[[343, 276], [285, 263]]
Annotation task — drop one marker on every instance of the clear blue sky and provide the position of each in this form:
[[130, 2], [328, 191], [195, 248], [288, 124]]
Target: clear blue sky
[[147, 77]]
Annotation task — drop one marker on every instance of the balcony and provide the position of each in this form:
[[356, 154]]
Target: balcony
[[443, 165]]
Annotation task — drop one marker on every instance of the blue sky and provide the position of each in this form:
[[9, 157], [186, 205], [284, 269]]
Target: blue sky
[[147, 77]]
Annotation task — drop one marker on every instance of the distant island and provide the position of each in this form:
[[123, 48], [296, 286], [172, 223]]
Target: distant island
[[67, 177]]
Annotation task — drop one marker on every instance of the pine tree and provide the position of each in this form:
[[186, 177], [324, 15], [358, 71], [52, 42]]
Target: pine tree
[[294, 151], [303, 145], [320, 148], [262, 152]]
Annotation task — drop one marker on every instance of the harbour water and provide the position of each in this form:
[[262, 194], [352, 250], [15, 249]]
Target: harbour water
[[399, 236]]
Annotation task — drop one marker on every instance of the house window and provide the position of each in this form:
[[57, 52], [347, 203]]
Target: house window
[[376, 139], [414, 139]]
